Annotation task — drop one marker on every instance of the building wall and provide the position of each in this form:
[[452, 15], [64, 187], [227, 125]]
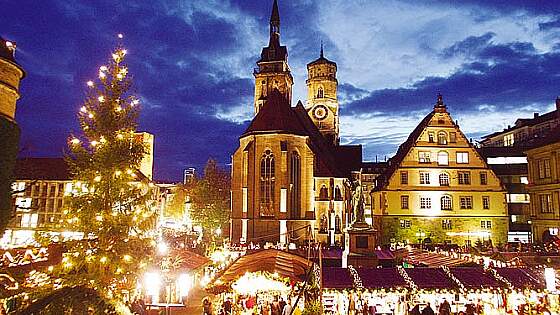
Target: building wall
[[10, 76], [465, 220], [270, 76], [323, 76], [246, 186], [544, 188]]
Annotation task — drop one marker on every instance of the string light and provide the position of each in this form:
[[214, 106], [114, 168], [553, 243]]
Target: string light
[[75, 141], [103, 259], [97, 178], [83, 109], [90, 83], [118, 108], [90, 115], [120, 35], [101, 75], [101, 99], [94, 143], [135, 102], [103, 68]]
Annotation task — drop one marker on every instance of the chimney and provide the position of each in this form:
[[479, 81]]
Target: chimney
[[535, 115]]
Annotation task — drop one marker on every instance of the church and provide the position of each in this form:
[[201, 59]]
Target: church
[[291, 177]]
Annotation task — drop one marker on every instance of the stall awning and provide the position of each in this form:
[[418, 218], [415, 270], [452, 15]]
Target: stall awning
[[283, 263], [337, 278], [377, 278], [522, 278], [476, 278]]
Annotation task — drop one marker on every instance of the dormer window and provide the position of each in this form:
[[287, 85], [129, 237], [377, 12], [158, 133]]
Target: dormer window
[[442, 137]]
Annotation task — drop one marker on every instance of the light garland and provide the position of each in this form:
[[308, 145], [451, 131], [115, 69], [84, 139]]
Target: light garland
[[452, 277], [407, 278], [356, 277]]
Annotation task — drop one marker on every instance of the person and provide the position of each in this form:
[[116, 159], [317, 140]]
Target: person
[[266, 308], [275, 308], [351, 305], [444, 308], [206, 306], [415, 310], [428, 310], [226, 307], [287, 310], [281, 304]]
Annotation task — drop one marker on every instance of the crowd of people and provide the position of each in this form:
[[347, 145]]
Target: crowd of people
[[252, 305]]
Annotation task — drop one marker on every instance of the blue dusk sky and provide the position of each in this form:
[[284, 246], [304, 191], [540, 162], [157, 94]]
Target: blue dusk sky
[[192, 61]]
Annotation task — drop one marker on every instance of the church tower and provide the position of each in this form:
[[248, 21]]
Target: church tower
[[322, 102], [273, 71]]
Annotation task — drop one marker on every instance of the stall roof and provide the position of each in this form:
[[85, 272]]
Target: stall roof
[[522, 278], [337, 278], [375, 278], [430, 278], [422, 258], [269, 260], [475, 278]]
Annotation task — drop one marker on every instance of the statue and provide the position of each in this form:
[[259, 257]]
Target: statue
[[359, 220]]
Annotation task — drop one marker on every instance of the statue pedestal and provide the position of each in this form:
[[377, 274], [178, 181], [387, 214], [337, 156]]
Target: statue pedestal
[[359, 246]]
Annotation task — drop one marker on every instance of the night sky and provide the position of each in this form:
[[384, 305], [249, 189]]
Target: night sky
[[192, 61]]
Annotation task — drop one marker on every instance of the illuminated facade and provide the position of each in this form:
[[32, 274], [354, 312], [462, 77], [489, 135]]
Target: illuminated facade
[[288, 174], [437, 188], [544, 186]]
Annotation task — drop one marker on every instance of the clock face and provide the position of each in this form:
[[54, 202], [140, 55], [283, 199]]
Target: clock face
[[320, 112]]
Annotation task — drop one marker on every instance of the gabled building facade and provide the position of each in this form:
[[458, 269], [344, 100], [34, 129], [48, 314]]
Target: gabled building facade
[[438, 189]]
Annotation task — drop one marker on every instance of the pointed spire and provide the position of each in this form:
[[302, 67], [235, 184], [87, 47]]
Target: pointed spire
[[275, 18], [322, 54]]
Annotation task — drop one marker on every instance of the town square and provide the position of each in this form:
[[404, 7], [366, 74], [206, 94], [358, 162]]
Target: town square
[[167, 157]]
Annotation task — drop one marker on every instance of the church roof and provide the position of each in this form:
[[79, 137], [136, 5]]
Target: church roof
[[277, 116], [321, 60]]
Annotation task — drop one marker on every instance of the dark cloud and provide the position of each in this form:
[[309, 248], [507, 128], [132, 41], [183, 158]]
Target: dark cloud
[[507, 76], [550, 25], [469, 46]]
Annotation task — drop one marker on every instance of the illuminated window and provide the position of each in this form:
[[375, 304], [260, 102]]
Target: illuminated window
[[404, 202], [485, 202], [446, 224], [465, 202], [267, 184], [544, 168], [337, 224], [295, 184], [444, 179], [546, 203], [425, 203], [452, 137], [462, 157], [424, 157], [404, 178], [483, 178], [405, 224], [464, 178], [337, 193], [443, 158], [486, 224], [424, 178], [320, 93], [524, 180], [442, 137], [446, 203], [431, 136]]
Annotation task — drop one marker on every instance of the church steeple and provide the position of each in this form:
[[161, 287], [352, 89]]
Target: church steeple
[[273, 72], [275, 19]]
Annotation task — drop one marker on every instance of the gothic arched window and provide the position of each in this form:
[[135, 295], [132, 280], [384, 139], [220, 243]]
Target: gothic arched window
[[337, 193], [446, 203], [444, 179], [324, 193], [295, 184], [320, 93], [267, 184], [337, 223]]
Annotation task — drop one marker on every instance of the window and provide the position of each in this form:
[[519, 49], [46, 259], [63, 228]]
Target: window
[[424, 178], [442, 138], [295, 184], [337, 224], [405, 224], [424, 157], [483, 178], [446, 224], [544, 168], [524, 180], [486, 224], [320, 93], [546, 203], [431, 136], [466, 202], [464, 178], [324, 193], [446, 203], [267, 184], [425, 203], [324, 224], [443, 158], [444, 179], [404, 202], [404, 178], [462, 157], [452, 137], [337, 193], [508, 140], [485, 202]]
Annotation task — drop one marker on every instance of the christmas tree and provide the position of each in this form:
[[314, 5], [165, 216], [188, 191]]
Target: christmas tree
[[110, 203]]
